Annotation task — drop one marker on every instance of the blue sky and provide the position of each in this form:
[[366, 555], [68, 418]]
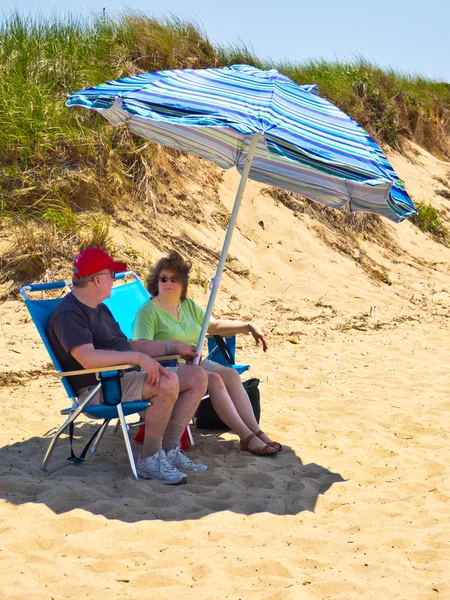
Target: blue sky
[[411, 37]]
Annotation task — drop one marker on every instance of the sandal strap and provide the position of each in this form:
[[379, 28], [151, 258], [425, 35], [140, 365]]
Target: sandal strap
[[265, 450], [276, 445], [245, 442]]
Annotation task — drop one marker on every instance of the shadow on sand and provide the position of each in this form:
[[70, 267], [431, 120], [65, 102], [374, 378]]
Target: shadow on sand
[[236, 481]]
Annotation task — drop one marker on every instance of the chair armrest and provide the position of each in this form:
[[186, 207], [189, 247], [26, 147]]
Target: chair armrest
[[164, 358], [115, 368], [97, 370], [223, 335]]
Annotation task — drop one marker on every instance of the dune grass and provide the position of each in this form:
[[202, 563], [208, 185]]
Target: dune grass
[[56, 164], [429, 219]]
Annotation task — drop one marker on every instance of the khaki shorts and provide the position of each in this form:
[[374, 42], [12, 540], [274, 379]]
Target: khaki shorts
[[131, 383]]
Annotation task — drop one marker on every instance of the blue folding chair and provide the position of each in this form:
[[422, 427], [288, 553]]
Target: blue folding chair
[[125, 300]]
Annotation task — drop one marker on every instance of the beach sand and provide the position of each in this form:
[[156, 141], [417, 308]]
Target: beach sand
[[355, 386]]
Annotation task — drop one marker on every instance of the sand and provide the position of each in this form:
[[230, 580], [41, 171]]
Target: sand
[[355, 386]]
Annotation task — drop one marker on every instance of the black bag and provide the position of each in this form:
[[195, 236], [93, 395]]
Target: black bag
[[207, 418]]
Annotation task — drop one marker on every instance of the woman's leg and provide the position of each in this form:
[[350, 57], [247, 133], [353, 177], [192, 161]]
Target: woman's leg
[[240, 399], [226, 409]]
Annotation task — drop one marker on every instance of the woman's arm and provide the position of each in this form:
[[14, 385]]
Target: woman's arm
[[164, 348], [225, 327]]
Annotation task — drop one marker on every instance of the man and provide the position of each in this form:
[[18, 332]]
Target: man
[[84, 335]]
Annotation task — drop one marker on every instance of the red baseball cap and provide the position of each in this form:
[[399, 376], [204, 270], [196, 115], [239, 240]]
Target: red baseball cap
[[94, 260]]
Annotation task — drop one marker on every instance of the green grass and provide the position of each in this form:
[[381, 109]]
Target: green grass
[[428, 219], [57, 163], [43, 61]]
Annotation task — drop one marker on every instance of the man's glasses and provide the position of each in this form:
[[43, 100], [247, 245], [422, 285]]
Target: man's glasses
[[113, 275], [164, 279]]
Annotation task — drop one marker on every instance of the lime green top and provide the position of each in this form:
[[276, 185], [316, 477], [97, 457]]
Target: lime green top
[[154, 323]]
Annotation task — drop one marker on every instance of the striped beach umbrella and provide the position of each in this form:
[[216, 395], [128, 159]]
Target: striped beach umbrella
[[271, 129]]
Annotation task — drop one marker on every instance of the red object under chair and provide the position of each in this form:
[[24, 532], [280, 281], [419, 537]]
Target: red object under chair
[[184, 441]]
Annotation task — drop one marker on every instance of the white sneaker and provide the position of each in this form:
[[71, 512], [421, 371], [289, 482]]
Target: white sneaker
[[157, 467], [179, 460]]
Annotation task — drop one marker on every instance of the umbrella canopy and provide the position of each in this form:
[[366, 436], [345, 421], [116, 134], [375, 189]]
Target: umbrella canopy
[[307, 145], [271, 129]]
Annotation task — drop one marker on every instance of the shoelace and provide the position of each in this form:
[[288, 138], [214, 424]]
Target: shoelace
[[186, 460], [165, 465]]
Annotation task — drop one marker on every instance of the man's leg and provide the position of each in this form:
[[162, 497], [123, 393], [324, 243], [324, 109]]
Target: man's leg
[[158, 414], [193, 381], [153, 462]]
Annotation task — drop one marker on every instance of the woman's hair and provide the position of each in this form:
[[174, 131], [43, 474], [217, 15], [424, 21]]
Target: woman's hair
[[174, 262]]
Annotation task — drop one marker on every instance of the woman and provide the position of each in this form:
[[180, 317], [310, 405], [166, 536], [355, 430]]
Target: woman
[[169, 315]]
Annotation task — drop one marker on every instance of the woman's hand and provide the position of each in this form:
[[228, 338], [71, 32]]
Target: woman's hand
[[258, 335], [186, 351]]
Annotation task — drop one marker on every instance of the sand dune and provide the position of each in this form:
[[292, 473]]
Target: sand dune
[[355, 385]]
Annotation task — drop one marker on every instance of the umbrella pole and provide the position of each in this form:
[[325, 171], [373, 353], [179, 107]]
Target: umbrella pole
[[215, 282]]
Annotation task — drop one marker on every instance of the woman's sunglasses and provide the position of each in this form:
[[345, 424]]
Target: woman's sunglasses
[[164, 279]]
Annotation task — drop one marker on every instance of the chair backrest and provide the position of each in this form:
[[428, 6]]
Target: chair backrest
[[215, 353], [125, 301], [40, 311]]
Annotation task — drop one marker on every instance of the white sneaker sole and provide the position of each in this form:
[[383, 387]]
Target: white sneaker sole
[[196, 469], [145, 475]]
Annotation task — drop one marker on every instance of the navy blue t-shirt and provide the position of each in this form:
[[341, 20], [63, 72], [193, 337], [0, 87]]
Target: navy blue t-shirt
[[73, 324]]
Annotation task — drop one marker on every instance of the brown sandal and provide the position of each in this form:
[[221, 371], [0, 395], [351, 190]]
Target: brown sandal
[[278, 447], [265, 450]]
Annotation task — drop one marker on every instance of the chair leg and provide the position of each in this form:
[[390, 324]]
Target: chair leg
[[129, 425], [99, 436], [55, 438], [136, 424], [65, 425], [191, 437], [127, 440]]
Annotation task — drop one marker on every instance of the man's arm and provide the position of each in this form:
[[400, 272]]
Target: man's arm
[[92, 358], [164, 348]]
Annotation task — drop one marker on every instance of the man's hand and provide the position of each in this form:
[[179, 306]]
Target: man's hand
[[153, 369], [186, 351]]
